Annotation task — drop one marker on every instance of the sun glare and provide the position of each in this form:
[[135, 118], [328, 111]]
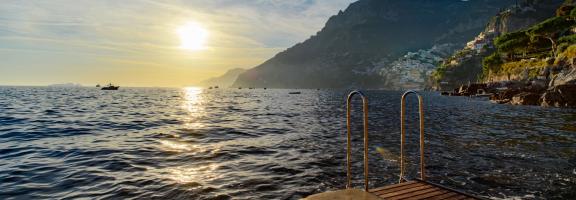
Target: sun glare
[[192, 36]]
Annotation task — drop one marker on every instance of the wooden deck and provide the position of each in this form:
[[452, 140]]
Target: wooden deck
[[419, 190]]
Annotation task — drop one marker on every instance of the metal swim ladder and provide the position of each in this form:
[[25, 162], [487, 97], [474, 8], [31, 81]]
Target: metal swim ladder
[[418, 188], [406, 189], [402, 140]]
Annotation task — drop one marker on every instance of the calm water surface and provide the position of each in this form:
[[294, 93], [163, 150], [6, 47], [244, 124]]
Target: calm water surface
[[150, 143]]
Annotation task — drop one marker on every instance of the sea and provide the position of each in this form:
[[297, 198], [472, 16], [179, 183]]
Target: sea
[[194, 143]]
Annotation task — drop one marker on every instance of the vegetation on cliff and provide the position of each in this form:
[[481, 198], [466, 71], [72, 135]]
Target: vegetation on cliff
[[506, 32], [532, 49], [535, 65]]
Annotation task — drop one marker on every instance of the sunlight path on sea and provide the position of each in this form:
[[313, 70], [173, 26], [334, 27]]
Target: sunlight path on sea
[[194, 104]]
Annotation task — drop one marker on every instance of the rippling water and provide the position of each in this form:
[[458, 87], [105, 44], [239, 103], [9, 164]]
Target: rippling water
[[150, 143]]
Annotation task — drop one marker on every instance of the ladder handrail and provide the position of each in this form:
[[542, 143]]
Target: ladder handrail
[[349, 141], [403, 134]]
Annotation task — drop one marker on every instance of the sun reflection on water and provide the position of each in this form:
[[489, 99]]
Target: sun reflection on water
[[193, 103], [192, 99], [187, 174], [170, 145]]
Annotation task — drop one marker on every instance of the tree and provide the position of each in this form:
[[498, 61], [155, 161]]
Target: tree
[[491, 64], [512, 42], [511, 47], [549, 29], [565, 41], [571, 39], [510, 36], [573, 14], [564, 10]]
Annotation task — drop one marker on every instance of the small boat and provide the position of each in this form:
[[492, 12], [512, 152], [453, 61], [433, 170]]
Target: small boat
[[210, 88], [239, 88], [110, 87], [295, 93], [216, 87], [97, 85]]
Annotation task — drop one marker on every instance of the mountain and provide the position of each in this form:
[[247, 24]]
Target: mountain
[[359, 44], [466, 64], [225, 80]]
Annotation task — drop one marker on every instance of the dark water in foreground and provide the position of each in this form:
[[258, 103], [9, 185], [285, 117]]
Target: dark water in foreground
[[266, 144]]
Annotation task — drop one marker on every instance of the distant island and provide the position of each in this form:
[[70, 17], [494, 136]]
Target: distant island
[[66, 85]]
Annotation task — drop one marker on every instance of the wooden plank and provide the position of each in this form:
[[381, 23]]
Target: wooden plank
[[415, 193], [415, 190], [395, 189], [345, 194], [430, 194], [401, 192], [443, 196], [454, 191], [399, 189], [393, 186]]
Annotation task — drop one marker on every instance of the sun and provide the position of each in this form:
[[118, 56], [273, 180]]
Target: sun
[[192, 36]]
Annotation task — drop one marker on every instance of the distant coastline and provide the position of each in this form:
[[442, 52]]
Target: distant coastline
[[66, 85]]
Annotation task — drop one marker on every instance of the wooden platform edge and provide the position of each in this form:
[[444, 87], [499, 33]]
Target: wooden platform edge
[[452, 189]]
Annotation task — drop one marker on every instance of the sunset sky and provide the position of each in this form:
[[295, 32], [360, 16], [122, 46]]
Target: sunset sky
[[148, 42]]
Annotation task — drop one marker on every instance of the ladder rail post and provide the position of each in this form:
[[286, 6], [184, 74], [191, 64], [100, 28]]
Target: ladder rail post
[[422, 155], [348, 144], [403, 135], [349, 140], [365, 105]]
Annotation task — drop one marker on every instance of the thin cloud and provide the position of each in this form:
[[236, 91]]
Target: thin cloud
[[141, 30]]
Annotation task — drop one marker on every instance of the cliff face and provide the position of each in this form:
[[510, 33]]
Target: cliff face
[[466, 65], [357, 46], [533, 65]]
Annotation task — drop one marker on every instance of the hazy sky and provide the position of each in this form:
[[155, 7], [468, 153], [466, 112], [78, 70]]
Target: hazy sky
[[139, 42]]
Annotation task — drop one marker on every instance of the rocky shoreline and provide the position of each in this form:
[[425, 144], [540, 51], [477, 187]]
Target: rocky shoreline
[[544, 90]]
